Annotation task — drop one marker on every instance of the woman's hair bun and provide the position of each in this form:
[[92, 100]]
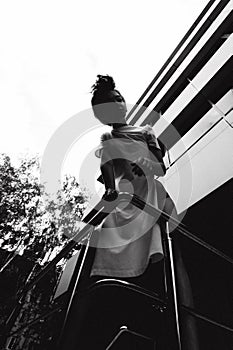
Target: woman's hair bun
[[103, 84]]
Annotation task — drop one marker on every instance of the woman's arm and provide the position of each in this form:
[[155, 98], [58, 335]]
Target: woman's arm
[[154, 163], [158, 165], [108, 175], [107, 171]]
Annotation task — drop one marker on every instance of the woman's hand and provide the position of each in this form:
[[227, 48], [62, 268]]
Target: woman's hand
[[145, 166], [142, 166], [110, 195]]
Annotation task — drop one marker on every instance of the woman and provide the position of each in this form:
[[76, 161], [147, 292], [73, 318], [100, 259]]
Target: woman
[[129, 239], [129, 242]]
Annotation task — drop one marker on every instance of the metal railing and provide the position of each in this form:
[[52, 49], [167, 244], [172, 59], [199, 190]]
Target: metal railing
[[95, 217]]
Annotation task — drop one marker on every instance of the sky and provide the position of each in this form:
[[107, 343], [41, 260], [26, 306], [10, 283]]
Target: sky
[[51, 52]]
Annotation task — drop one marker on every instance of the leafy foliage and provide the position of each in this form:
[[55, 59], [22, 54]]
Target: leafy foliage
[[34, 226], [31, 221]]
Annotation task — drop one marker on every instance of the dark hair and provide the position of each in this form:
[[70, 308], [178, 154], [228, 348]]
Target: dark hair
[[100, 90]]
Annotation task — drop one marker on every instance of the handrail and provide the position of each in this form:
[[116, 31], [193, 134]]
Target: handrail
[[95, 217], [202, 317], [102, 209], [112, 282], [138, 289], [180, 227]]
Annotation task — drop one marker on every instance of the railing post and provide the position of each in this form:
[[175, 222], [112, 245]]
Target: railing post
[[171, 289], [18, 304], [64, 340]]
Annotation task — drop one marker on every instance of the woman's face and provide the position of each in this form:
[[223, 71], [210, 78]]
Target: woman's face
[[117, 108], [118, 100], [113, 110]]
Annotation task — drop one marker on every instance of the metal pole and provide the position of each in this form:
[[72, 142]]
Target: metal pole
[[73, 292], [14, 313], [174, 320]]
